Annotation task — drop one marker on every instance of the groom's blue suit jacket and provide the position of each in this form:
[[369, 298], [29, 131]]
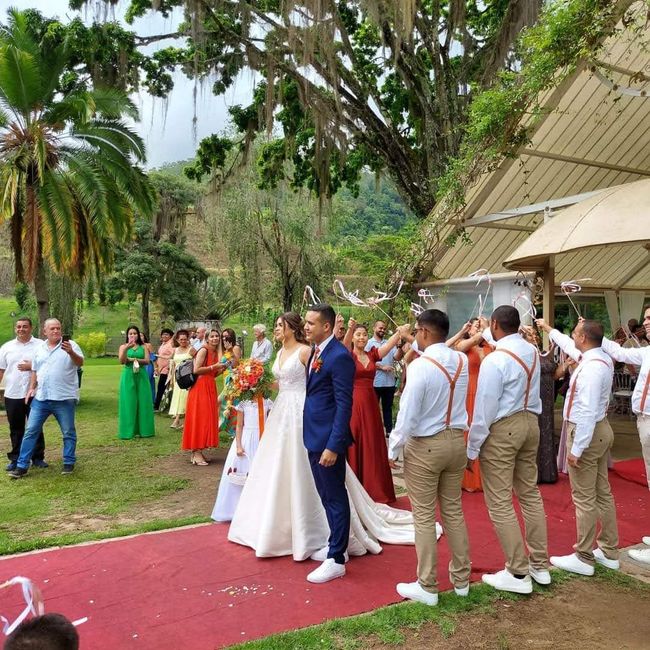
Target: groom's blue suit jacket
[[328, 405]]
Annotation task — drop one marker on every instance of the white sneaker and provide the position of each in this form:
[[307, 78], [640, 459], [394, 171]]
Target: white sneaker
[[321, 555], [599, 556], [646, 540], [505, 581], [413, 591], [640, 555], [327, 571], [572, 563], [540, 576], [462, 591]]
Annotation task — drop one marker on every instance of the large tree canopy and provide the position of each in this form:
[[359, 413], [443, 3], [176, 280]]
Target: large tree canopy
[[350, 84]]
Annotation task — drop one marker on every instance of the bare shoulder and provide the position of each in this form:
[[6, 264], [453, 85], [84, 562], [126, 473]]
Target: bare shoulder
[[303, 354]]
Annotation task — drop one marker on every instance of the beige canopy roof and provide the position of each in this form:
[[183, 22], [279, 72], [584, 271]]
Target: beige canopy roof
[[594, 136], [615, 217]]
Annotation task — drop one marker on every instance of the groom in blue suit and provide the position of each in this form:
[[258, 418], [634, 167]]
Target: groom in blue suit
[[326, 431]]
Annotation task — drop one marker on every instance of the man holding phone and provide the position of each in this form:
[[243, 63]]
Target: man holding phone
[[54, 386]]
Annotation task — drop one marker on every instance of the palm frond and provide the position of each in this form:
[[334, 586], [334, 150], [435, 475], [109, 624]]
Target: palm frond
[[20, 80]]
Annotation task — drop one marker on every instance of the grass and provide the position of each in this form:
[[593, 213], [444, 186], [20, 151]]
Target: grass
[[389, 625], [112, 477]]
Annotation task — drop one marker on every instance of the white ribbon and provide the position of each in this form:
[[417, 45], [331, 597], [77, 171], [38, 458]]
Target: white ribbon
[[481, 275], [33, 602], [572, 286], [530, 307], [310, 297], [427, 296], [416, 309]]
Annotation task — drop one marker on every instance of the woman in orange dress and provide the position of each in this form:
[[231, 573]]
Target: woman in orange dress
[[201, 428], [475, 347]]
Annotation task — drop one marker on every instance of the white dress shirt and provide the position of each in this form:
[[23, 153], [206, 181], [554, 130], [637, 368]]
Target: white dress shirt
[[262, 350], [56, 373], [590, 386], [501, 390], [11, 354], [425, 400], [636, 357], [321, 346]]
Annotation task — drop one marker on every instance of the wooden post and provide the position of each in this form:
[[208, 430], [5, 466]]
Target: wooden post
[[548, 308]]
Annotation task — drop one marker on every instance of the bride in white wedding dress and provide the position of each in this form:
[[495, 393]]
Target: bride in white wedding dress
[[280, 512]]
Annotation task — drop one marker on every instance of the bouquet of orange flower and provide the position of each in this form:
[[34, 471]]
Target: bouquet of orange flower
[[249, 380]]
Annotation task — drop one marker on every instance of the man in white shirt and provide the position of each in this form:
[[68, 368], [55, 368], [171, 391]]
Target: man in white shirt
[[15, 367], [198, 342], [638, 356], [505, 434], [430, 425], [54, 384], [262, 347], [589, 439]]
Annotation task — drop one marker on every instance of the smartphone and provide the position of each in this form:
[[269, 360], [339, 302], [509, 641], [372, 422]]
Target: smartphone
[[65, 338]]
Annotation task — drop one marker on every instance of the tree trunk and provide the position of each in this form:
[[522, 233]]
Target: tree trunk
[[41, 293], [287, 293], [145, 313]]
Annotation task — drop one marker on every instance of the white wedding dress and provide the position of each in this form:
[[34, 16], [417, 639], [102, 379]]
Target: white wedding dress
[[280, 512]]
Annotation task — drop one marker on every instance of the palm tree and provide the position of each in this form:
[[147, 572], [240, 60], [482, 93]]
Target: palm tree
[[70, 183]]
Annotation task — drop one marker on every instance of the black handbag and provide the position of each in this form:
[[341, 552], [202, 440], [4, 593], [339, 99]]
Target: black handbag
[[185, 377]]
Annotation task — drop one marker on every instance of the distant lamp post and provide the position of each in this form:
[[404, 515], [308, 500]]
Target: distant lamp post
[[244, 334]]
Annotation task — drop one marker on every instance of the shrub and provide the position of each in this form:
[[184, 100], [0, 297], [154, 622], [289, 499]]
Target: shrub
[[93, 344]]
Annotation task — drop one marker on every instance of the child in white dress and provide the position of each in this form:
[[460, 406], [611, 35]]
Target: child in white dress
[[239, 459]]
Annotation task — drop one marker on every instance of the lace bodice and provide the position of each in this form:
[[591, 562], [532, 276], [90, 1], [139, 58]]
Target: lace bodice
[[292, 374]]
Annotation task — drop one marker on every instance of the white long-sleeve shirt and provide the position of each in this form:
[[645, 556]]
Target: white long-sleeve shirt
[[636, 357], [501, 390], [425, 400], [262, 350], [589, 390]]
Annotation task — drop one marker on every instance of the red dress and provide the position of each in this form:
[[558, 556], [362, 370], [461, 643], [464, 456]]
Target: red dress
[[368, 456], [472, 480], [201, 428]]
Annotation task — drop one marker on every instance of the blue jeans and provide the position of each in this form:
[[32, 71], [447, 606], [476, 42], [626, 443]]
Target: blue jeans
[[63, 411]]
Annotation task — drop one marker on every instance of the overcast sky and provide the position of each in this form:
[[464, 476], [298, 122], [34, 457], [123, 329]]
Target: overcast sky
[[165, 126]]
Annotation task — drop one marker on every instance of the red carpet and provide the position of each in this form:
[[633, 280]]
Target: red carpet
[[632, 470], [191, 588]]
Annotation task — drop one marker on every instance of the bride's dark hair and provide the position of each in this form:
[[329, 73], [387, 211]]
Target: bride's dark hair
[[295, 324]]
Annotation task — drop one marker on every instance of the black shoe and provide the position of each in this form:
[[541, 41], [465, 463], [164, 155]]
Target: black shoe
[[67, 469], [39, 463], [19, 472], [12, 466]]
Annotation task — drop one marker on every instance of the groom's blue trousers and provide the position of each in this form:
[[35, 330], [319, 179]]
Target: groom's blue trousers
[[330, 484]]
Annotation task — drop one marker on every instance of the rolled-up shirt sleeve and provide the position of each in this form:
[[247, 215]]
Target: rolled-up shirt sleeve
[[486, 406], [408, 416], [586, 421]]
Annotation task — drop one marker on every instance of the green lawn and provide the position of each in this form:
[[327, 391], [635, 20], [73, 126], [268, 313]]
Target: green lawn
[[111, 477]]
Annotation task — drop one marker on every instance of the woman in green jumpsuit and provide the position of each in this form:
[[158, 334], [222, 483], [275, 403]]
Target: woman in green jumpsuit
[[135, 406]]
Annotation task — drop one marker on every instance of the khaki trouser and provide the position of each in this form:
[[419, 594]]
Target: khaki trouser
[[433, 470], [509, 463], [592, 496], [643, 424]]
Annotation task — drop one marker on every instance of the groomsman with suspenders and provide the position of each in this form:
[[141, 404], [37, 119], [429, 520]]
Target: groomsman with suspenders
[[638, 356], [589, 440], [505, 434], [430, 424]]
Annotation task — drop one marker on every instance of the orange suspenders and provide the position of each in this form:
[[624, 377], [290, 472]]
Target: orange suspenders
[[452, 382], [529, 371]]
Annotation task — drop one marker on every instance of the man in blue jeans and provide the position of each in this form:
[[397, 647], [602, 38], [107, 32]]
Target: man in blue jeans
[[54, 385]]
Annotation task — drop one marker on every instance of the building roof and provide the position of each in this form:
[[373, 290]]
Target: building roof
[[594, 134]]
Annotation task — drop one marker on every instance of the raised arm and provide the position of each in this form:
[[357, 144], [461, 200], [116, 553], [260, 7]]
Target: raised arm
[[633, 356], [347, 339], [564, 342], [401, 332]]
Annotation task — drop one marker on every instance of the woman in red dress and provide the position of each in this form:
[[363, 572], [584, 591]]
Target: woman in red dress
[[368, 456], [201, 428]]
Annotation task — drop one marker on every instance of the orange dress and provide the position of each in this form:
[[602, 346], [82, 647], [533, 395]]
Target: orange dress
[[472, 480], [201, 427]]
